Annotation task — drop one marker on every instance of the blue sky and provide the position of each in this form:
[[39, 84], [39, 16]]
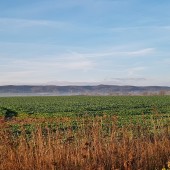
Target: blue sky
[[124, 42]]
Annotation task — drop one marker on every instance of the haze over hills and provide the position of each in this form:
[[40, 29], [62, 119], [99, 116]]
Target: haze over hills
[[79, 90]]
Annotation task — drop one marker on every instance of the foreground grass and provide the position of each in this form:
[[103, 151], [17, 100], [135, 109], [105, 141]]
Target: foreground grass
[[103, 143]]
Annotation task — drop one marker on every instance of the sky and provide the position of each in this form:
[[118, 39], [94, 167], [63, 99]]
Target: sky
[[85, 42]]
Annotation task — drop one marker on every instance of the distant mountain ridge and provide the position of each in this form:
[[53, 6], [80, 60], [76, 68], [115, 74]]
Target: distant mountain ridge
[[80, 90]]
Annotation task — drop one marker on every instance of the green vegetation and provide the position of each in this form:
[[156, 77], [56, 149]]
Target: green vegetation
[[91, 105], [85, 132], [139, 110]]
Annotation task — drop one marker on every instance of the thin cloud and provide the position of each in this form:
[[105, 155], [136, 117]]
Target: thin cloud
[[135, 71], [141, 52], [26, 23], [40, 71], [60, 63], [147, 27], [137, 53], [131, 79]]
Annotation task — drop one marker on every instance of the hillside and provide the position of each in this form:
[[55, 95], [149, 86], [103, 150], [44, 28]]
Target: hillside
[[80, 90]]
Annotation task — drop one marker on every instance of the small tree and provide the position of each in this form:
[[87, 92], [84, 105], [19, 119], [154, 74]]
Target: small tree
[[8, 113]]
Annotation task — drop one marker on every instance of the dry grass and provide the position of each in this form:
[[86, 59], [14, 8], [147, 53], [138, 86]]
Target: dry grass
[[89, 147]]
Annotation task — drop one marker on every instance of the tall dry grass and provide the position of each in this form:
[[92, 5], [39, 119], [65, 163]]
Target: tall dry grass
[[89, 147]]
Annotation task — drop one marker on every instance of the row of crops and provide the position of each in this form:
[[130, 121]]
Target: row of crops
[[82, 105]]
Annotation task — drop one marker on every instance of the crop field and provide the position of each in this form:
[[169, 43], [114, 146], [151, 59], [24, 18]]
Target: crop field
[[73, 105], [85, 132]]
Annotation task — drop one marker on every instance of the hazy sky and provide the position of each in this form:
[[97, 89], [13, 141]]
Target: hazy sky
[[93, 41]]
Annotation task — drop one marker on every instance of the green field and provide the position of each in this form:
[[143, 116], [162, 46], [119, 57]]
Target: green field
[[94, 105], [143, 110]]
